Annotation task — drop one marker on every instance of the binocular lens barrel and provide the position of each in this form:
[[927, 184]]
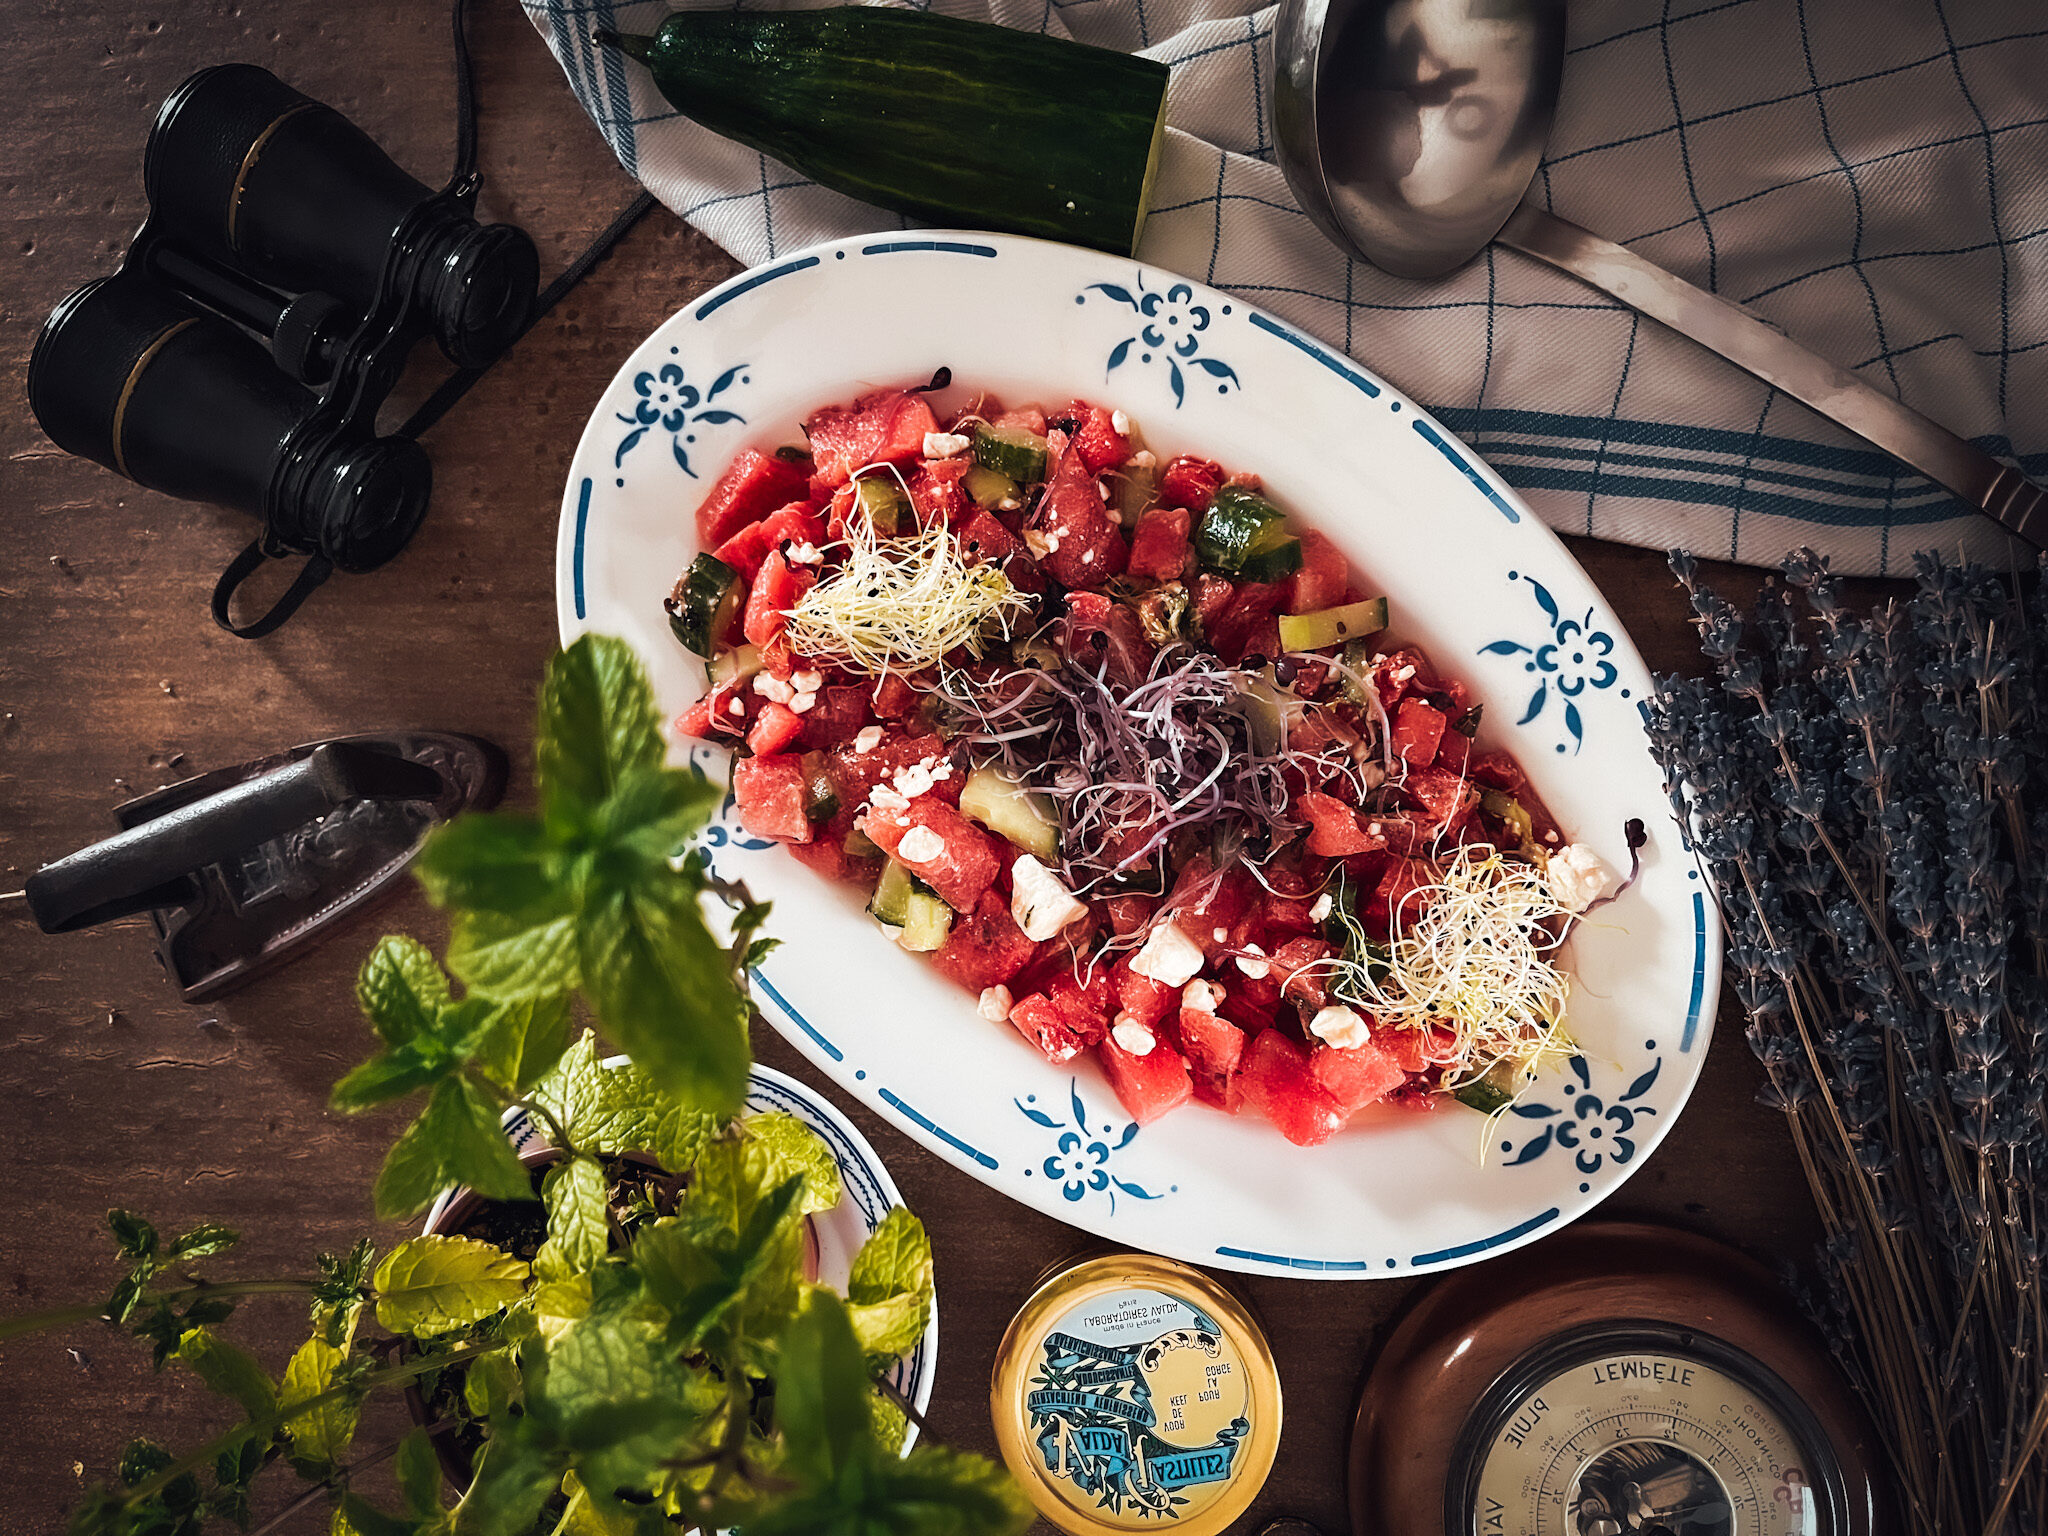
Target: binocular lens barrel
[[129, 375], [254, 174]]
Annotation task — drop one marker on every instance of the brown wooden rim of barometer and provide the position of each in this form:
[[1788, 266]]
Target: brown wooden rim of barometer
[[1461, 1333]]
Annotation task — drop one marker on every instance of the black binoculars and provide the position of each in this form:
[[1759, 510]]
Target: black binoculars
[[261, 318]]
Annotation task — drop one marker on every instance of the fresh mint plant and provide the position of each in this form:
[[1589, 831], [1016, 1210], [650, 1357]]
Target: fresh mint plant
[[642, 1353]]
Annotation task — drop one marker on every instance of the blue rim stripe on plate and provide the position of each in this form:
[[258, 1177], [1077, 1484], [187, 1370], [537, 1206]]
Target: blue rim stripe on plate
[[958, 248], [1699, 970], [939, 1131], [1443, 1255], [582, 521], [1327, 359], [802, 1023], [709, 305], [1443, 446], [1325, 1265]]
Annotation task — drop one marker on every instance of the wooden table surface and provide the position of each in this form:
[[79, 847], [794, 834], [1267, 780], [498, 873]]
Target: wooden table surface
[[113, 680]]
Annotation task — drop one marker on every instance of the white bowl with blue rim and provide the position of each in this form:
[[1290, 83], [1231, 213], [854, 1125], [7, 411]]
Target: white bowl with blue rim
[[1473, 577], [866, 1195]]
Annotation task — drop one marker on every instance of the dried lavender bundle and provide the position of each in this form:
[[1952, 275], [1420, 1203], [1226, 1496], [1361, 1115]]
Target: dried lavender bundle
[[1870, 793]]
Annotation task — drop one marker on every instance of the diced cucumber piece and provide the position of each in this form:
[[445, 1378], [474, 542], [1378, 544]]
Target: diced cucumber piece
[[731, 668], [1032, 651], [1009, 810], [1265, 714], [1137, 487], [1010, 451], [882, 501], [821, 796], [1272, 559], [1332, 626], [917, 913], [858, 845], [1483, 1095], [704, 603], [1243, 534], [926, 922], [990, 488]]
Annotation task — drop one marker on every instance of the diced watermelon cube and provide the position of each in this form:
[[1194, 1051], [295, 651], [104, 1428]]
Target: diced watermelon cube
[[1357, 1076], [1320, 581], [1086, 1009], [1189, 482], [1088, 548], [769, 795], [1334, 827], [1159, 547], [1144, 999], [1150, 1085], [985, 541], [1448, 799], [884, 427], [1038, 1021], [1286, 914], [1412, 1048], [1417, 730], [1296, 963], [777, 727], [1277, 1081], [966, 861], [838, 715], [894, 698], [1127, 914], [795, 524], [1395, 896], [1213, 1047], [986, 947], [936, 492], [1098, 442], [776, 590], [711, 718], [754, 485]]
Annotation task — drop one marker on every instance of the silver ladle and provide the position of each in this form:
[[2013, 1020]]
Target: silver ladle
[[1409, 131]]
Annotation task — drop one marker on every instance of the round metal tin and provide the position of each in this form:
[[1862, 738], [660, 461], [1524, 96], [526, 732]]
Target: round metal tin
[[1132, 1392]]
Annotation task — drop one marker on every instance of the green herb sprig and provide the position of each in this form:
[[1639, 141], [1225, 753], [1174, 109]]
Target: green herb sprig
[[656, 1358]]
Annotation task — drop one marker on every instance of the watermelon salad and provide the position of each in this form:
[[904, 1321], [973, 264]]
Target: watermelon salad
[[1130, 753]]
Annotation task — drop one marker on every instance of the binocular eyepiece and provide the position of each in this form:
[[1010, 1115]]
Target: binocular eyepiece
[[264, 313]]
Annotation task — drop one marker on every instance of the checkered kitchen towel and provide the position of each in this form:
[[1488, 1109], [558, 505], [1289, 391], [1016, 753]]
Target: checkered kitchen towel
[[1871, 175]]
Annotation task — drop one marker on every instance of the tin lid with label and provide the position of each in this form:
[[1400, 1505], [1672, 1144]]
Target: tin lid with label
[[1134, 1393]]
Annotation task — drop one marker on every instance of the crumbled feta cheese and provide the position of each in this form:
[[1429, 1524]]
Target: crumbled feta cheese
[[805, 553], [1169, 956], [1341, 1027], [769, 686], [736, 706], [1222, 935], [1087, 557], [802, 703], [919, 777], [1102, 490], [1321, 909], [806, 682], [1040, 905], [1374, 828], [920, 845], [943, 445], [1041, 544], [1120, 424], [1132, 1036], [995, 1004], [1404, 674], [1201, 996], [1578, 877], [1251, 965], [1008, 504], [1142, 459], [883, 798], [867, 738]]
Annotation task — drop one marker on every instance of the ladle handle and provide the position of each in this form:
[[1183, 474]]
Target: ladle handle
[[1997, 489]]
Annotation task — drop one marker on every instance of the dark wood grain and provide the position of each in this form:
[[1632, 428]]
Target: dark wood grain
[[113, 680]]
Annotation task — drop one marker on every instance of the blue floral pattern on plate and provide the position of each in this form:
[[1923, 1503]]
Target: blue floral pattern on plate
[[1575, 658], [1171, 333], [1591, 1128], [1079, 1162], [668, 400]]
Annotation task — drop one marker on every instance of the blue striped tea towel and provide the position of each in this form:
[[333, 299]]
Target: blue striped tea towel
[[1870, 175]]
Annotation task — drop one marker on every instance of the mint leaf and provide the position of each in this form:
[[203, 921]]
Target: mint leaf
[[801, 1151], [230, 1370], [496, 861], [696, 1269], [203, 1241], [895, 1260], [400, 989], [490, 1385], [418, 1063], [320, 1436], [576, 1193], [519, 1042], [655, 812], [890, 1328], [516, 956], [603, 1515], [419, 1474], [516, 1475], [134, 1238], [366, 1519], [619, 1109], [663, 989], [936, 1491], [456, 1140], [430, 1285], [597, 724], [821, 1393]]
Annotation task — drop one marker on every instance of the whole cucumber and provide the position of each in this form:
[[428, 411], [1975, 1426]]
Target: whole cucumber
[[945, 120]]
